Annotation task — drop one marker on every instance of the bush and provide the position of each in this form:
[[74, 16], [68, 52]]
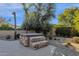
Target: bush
[[5, 27], [76, 33], [66, 32], [47, 29], [63, 31], [75, 39]]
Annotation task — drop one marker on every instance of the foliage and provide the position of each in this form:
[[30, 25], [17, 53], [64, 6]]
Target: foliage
[[5, 27], [70, 18], [67, 16], [38, 18], [65, 31], [76, 20], [62, 31]]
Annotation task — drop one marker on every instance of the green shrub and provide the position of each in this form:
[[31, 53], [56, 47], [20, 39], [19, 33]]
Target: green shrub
[[63, 31], [5, 27], [66, 31]]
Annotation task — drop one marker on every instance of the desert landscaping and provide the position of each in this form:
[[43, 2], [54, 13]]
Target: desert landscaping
[[39, 29], [58, 46]]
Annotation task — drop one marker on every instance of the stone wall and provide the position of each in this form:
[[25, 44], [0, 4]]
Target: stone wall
[[4, 33]]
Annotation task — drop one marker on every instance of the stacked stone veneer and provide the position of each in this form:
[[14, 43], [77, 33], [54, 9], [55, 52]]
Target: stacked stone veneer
[[38, 42], [34, 42]]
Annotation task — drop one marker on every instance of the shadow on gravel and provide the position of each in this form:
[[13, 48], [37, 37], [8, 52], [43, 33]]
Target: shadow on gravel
[[62, 50]]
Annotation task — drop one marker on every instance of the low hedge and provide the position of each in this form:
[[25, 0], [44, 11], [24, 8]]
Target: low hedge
[[66, 32], [4, 28]]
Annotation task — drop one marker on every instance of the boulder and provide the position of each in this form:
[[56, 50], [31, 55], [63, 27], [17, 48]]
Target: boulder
[[75, 46], [75, 40]]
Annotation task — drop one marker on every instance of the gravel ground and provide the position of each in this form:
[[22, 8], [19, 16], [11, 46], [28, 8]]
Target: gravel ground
[[14, 48], [62, 50]]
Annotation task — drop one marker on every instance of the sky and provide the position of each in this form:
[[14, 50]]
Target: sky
[[60, 7], [6, 11]]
